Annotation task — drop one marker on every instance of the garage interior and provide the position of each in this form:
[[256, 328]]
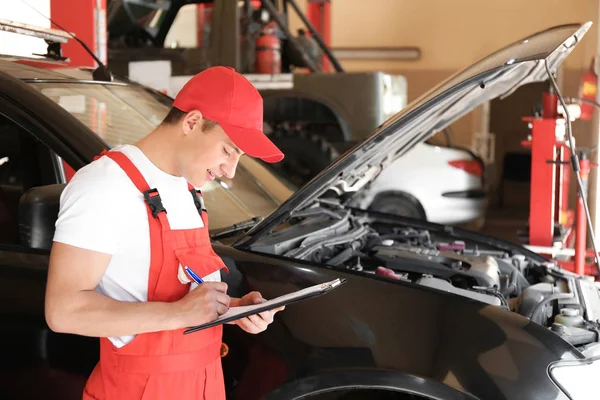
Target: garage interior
[[416, 41], [408, 46]]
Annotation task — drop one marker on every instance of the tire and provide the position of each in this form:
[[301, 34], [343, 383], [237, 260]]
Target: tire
[[306, 155], [365, 394], [401, 205]]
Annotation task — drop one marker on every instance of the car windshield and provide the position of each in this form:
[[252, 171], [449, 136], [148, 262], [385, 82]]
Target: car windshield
[[124, 114]]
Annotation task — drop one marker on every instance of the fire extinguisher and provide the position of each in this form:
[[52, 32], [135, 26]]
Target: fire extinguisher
[[268, 52], [587, 90]]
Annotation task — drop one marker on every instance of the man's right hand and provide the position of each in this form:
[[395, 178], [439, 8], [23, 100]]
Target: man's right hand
[[203, 304]]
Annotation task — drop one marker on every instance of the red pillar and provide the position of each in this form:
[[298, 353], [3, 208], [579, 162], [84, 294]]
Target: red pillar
[[561, 208], [86, 19], [200, 21], [581, 220], [542, 201], [318, 13]]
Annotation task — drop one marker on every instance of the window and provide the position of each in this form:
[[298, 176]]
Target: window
[[118, 114], [24, 163]]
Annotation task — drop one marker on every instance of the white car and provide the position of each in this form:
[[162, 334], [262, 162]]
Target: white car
[[440, 184]]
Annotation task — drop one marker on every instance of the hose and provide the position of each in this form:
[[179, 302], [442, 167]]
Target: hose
[[493, 292], [556, 296], [573, 100], [512, 284]]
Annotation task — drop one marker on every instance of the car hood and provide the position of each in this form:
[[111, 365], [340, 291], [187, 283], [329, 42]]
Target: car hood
[[496, 75]]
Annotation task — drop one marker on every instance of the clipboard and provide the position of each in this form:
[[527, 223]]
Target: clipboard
[[235, 313]]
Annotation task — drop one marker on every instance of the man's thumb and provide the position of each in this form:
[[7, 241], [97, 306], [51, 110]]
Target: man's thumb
[[257, 297]]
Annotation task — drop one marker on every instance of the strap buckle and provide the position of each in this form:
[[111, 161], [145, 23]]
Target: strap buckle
[[153, 200], [198, 200]]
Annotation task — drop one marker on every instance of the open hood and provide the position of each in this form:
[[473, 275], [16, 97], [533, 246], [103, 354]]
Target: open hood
[[496, 75]]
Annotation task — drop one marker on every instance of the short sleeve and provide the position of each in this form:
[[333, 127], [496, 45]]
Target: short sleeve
[[89, 212]]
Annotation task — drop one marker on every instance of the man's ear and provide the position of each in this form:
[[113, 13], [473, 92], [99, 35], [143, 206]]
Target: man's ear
[[190, 121]]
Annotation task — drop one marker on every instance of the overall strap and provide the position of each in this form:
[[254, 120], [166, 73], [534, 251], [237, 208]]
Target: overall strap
[[199, 203], [157, 216], [130, 169], [198, 199], [151, 196]]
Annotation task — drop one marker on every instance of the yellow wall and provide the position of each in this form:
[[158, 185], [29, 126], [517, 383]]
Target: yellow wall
[[450, 33]]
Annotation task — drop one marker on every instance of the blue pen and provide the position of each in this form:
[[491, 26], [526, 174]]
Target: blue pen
[[195, 277]]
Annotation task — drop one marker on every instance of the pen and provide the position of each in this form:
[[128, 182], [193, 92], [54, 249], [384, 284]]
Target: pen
[[195, 277]]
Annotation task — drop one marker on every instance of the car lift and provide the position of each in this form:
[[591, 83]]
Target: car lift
[[552, 225]]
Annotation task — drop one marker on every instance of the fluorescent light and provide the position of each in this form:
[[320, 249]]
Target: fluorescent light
[[382, 53]]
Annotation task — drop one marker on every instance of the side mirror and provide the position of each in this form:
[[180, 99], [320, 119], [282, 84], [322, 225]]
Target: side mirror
[[38, 211]]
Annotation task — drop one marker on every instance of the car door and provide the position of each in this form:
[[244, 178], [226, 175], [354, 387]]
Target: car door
[[34, 353]]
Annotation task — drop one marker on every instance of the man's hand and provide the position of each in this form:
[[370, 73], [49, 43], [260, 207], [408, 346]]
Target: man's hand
[[203, 304], [258, 322]]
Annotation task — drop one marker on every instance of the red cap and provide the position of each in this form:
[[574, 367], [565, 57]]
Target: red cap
[[224, 96]]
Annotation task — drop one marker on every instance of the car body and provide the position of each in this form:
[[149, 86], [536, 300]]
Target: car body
[[463, 316], [438, 184]]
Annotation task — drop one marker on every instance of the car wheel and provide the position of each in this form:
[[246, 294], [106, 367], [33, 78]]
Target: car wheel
[[366, 395], [306, 155], [402, 205]]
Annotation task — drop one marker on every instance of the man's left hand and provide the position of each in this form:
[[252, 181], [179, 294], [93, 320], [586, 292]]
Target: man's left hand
[[258, 322]]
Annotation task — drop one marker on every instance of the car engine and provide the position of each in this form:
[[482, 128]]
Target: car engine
[[543, 292]]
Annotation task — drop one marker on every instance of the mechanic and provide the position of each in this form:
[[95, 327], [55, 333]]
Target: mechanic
[[118, 265]]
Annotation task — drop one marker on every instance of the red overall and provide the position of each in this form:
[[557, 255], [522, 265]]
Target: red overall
[[166, 364]]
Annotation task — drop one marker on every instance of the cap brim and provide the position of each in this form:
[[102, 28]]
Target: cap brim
[[254, 143]]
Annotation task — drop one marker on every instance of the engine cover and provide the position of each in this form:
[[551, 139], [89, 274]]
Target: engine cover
[[447, 286], [480, 270]]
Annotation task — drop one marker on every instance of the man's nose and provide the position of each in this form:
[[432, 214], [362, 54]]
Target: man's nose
[[229, 168]]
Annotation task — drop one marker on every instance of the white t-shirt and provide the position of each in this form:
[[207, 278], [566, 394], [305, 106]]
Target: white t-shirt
[[102, 210]]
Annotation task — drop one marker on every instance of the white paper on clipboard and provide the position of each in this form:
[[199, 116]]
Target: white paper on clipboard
[[235, 313]]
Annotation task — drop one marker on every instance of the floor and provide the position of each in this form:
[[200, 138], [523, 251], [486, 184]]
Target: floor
[[508, 212], [505, 224]]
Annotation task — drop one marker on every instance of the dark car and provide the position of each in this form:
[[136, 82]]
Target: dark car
[[427, 311]]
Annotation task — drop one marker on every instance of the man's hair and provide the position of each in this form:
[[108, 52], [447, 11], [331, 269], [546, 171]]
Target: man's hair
[[175, 115]]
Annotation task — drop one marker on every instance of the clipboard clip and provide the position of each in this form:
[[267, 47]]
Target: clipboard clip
[[338, 282], [332, 285]]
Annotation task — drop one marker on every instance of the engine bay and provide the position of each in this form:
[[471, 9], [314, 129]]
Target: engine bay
[[328, 233]]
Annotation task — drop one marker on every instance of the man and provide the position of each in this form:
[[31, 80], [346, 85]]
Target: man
[[131, 223]]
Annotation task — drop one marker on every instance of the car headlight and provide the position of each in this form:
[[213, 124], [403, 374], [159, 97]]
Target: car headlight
[[577, 378]]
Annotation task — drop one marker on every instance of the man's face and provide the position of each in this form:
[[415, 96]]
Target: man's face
[[206, 154]]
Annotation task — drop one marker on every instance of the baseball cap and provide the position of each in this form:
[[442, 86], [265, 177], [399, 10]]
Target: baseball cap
[[223, 95]]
